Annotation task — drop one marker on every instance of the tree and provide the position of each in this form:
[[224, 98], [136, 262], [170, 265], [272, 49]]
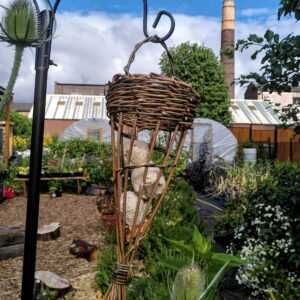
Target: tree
[[280, 57], [280, 63], [22, 125], [199, 66], [19, 27]]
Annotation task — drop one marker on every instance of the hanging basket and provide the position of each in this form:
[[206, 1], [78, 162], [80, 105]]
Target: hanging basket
[[150, 97], [136, 103]]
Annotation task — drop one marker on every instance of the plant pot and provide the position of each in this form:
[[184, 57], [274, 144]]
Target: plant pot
[[250, 155], [224, 237], [59, 193], [9, 193], [22, 176], [78, 174], [109, 220], [54, 174], [3, 175], [52, 195]]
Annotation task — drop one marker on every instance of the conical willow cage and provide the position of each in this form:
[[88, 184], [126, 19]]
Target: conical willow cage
[[143, 171]]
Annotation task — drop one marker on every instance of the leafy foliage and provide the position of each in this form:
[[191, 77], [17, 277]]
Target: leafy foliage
[[95, 157], [199, 66], [22, 125], [105, 267], [20, 143], [267, 228], [197, 173], [280, 60], [175, 218], [289, 7]]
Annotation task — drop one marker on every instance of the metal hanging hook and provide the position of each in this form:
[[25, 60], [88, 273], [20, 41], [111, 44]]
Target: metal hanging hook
[[145, 23], [52, 8]]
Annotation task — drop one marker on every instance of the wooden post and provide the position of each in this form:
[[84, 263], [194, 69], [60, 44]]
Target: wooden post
[[291, 151], [7, 134]]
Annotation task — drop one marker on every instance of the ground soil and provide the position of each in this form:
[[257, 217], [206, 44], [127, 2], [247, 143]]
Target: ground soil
[[79, 218]]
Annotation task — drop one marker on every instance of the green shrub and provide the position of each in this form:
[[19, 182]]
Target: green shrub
[[22, 125], [234, 184], [105, 267], [267, 228], [94, 157], [175, 219]]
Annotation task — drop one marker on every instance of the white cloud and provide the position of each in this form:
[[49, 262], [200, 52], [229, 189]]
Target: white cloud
[[92, 48], [251, 12]]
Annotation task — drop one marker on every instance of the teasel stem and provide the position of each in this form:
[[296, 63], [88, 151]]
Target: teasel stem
[[13, 77]]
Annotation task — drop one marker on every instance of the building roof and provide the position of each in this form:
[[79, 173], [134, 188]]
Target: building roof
[[21, 107], [253, 112], [79, 84], [74, 107]]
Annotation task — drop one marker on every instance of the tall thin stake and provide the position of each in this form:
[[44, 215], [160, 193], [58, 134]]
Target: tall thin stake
[[41, 66]]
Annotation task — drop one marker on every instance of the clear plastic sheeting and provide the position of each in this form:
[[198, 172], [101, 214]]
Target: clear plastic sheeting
[[220, 143], [98, 129]]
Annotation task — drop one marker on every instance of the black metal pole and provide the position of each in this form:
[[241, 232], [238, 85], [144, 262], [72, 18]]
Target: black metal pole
[[41, 66], [275, 142], [291, 151]]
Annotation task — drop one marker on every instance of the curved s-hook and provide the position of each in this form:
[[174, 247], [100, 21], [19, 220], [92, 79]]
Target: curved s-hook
[[162, 12], [53, 9]]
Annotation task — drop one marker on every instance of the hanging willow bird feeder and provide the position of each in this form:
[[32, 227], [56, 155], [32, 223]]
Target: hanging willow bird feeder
[[137, 103]]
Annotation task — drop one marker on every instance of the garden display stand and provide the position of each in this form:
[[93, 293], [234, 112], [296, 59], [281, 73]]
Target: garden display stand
[[159, 105]]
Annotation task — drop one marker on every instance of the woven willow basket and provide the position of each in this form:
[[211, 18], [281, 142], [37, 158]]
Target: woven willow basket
[[136, 103], [151, 97]]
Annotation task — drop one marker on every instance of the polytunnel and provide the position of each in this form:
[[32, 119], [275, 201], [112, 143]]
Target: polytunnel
[[98, 129], [221, 143]]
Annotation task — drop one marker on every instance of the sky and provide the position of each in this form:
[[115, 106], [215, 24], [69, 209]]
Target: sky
[[94, 39]]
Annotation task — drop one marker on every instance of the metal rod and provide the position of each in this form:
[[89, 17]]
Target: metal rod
[[41, 66], [156, 21], [291, 151], [275, 142]]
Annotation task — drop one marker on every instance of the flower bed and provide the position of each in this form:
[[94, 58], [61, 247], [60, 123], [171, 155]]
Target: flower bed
[[265, 217]]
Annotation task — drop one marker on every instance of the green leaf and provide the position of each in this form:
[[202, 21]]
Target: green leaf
[[188, 249], [254, 55], [255, 38], [214, 280], [269, 35], [233, 261], [202, 246], [172, 264]]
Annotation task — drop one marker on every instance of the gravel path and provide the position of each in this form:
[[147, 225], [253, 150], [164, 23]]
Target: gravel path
[[78, 217]]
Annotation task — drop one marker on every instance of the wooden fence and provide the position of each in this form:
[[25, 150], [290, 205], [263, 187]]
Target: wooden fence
[[273, 142]]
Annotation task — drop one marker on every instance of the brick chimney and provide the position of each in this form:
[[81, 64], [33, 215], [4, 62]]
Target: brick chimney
[[227, 43]]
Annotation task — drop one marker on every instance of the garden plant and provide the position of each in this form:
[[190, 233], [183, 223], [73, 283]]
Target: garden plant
[[263, 213]]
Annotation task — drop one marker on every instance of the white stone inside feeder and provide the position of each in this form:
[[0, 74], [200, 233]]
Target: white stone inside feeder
[[139, 154], [152, 173], [131, 206]]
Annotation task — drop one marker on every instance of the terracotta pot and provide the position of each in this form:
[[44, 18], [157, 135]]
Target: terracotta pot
[[109, 220]]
